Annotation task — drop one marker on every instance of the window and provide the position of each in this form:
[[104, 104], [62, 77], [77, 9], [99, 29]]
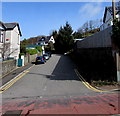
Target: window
[[1, 36]]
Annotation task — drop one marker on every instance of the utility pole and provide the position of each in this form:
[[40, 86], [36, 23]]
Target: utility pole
[[117, 53], [113, 9]]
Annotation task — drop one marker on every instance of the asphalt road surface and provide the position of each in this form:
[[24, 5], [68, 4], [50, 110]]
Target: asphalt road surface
[[55, 78]]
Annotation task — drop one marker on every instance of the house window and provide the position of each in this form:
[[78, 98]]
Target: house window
[[1, 37]]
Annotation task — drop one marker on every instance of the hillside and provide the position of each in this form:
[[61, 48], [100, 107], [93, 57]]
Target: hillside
[[31, 41]]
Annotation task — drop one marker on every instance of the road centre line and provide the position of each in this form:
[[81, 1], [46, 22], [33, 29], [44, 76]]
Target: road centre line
[[87, 84]]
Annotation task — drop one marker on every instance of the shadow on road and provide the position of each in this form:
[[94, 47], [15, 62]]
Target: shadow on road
[[64, 69]]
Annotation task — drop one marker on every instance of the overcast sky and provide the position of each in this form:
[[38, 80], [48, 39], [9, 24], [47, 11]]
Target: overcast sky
[[41, 18]]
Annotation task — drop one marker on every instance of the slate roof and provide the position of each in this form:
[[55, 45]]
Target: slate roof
[[2, 26], [109, 8], [46, 39], [10, 26]]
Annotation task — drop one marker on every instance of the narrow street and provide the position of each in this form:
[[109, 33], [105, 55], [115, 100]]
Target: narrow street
[[56, 83]]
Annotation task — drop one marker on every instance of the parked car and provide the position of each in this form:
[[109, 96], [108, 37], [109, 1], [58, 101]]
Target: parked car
[[46, 56], [49, 53], [40, 59]]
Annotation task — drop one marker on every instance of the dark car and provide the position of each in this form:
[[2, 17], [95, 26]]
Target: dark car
[[40, 59], [46, 56], [49, 53]]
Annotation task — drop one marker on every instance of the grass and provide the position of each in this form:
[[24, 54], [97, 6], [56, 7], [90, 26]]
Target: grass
[[104, 83]]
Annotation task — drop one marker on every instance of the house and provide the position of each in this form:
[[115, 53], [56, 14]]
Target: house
[[2, 37], [11, 40], [44, 41], [108, 17]]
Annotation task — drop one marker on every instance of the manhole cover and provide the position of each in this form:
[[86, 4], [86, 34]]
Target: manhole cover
[[13, 113]]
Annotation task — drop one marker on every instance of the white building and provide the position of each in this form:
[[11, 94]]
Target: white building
[[2, 37], [108, 17], [11, 41], [44, 41]]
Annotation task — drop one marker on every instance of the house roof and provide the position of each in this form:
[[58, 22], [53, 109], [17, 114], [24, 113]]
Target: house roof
[[2, 26], [46, 39], [10, 26], [109, 8]]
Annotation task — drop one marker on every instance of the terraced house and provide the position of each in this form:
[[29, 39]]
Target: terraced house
[[9, 40]]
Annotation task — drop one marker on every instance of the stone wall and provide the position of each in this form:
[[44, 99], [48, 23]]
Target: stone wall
[[29, 58], [7, 66]]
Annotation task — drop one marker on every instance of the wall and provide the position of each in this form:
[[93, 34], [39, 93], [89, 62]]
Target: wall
[[94, 57], [118, 66], [30, 58], [15, 43], [7, 66], [100, 39]]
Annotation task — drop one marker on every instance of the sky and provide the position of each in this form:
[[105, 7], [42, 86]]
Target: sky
[[41, 18]]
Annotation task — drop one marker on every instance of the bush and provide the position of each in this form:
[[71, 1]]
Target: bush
[[39, 48], [22, 54], [32, 51]]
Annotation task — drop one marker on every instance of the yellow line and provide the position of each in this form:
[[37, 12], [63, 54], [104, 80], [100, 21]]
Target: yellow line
[[87, 84], [12, 82]]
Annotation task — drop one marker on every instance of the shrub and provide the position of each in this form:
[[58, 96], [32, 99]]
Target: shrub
[[39, 48], [22, 54], [32, 51]]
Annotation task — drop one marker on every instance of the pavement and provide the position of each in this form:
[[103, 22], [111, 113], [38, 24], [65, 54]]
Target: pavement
[[94, 105], [14, 73]]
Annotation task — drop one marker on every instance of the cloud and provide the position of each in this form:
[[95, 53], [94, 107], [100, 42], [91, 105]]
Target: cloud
[[90, 10]]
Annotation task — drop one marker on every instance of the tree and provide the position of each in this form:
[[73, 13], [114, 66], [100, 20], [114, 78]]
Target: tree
[[6, 51], [116, 34], [23, 46], [64, 39], [77, 35], [90, 27]]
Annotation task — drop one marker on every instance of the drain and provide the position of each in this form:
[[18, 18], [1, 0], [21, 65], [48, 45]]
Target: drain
[[12, 113]]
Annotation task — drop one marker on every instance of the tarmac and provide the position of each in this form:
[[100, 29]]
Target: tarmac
[[94, 105], [20, 70]]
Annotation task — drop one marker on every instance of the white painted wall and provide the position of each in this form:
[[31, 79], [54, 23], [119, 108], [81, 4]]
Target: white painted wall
[[52, 39], [14, 37]]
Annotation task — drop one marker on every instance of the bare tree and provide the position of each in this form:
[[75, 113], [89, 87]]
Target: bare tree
[[91, 25], [6, 51]]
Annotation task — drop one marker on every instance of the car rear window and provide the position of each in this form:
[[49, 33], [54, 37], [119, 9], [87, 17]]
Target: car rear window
[[39, 58]]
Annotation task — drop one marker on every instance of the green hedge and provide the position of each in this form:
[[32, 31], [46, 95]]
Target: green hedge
[[39, 48], [32, 51]]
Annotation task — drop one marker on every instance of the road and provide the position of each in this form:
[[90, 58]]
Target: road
[[56, 79]]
